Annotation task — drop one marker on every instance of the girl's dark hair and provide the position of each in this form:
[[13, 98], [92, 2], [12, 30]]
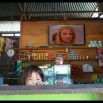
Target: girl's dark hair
[[29, 70]]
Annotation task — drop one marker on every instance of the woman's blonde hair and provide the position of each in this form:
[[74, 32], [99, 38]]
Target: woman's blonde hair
[[59, 41]]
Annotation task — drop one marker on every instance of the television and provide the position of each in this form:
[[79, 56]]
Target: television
[[66, 35]]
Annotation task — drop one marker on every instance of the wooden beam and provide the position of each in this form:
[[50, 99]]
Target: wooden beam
[[21, 10]]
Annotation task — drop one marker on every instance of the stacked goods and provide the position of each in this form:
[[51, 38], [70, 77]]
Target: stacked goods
[[76, 68], [2, 42], [100, 57], [99, 69], [43, 54]]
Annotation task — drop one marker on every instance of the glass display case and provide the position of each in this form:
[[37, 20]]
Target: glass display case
[[62, 74]]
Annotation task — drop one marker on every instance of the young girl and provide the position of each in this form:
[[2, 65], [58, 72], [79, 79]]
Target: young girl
[[32, 75]]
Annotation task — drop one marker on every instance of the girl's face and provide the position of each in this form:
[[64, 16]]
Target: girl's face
[[66, 36], [34, 79]]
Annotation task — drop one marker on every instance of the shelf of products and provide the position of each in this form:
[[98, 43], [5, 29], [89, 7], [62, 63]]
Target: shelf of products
[[71, 55], [42, 53], [68, 53], [76, 56]]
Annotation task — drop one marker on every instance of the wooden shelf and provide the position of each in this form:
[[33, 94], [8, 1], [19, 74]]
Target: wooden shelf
[[78, 72], [82, 52], [83, 60]]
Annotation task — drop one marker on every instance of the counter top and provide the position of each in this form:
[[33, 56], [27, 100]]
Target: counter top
[[52, 89]]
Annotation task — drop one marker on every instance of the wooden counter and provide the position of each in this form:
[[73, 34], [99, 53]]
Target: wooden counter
[[53, 92], [52, 89]]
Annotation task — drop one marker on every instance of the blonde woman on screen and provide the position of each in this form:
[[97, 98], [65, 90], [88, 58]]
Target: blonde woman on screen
[[65, 35]]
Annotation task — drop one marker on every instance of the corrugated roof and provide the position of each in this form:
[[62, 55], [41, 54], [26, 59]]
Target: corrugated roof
[[49, 10]]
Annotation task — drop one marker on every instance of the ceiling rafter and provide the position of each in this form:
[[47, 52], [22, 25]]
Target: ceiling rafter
[[49, 10], [21, 9]]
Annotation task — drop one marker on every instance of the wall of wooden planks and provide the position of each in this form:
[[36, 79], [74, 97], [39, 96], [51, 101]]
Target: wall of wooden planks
[[36, 32]]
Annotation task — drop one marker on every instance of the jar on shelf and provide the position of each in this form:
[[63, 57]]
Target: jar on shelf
[[99, 44]]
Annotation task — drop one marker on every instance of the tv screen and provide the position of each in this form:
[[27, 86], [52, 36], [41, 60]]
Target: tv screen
[[66, 35]]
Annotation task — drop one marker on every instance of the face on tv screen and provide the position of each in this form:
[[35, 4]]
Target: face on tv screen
[[66, 35]]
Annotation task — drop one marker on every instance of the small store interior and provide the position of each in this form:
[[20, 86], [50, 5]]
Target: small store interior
[[84, 61], [63, 39], [79, 62]]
